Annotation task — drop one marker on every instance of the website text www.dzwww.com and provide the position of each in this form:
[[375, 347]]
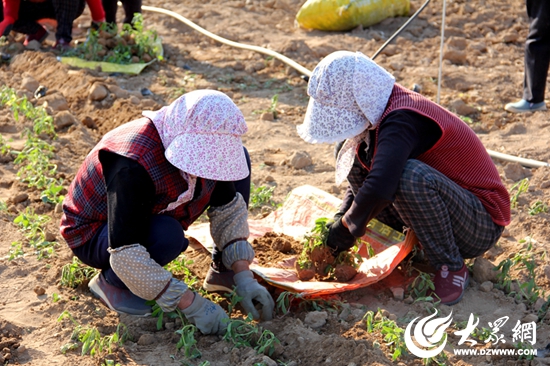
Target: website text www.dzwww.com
[[493, 351]]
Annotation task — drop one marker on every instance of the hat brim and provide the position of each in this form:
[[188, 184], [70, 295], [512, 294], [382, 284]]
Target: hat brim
[[324, 123], [224, 159]]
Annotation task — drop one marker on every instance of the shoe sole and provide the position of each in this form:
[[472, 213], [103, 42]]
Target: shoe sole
[[96, 291], [214, 288], [515, 110], [461, 295]]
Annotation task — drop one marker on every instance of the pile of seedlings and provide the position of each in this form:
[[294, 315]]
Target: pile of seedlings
[[131, 45], [317, 260]]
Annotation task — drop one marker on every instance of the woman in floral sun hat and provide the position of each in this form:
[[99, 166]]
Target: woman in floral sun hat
[[409, 163], [141, 187]]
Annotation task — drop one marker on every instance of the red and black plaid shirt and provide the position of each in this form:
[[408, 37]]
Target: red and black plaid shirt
[[85, 206]]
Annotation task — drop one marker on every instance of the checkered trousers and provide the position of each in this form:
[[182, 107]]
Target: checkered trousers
[[450, 222]]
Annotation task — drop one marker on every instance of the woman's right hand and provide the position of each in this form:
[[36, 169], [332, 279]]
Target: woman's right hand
[[207, 316]]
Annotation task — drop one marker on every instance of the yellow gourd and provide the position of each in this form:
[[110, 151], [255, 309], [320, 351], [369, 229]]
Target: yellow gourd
[[342, 15]]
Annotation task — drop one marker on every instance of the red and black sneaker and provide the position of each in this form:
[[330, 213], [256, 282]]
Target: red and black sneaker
[[450, 286], [39, 36]]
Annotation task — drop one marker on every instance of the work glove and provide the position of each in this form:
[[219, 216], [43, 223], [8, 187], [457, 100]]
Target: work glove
[[339, 239], [207, 316], [249, 289]]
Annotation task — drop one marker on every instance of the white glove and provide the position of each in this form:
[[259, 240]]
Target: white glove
[[207, 316], [249, 289]]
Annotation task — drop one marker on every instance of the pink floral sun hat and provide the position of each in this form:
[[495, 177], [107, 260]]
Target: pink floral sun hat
[[201, 133], [348, 95]]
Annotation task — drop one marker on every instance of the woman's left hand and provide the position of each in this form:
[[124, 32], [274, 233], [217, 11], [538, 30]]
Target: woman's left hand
[[249, 289]]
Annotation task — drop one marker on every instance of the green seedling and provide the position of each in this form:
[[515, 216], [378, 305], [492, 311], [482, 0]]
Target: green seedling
[[244, 333], [22, 107], [266, 343], [188, 342], [392, 333], [31, 225], [482, 334], [272, 108], [537, 208], [55, 297], [90, 337], [261, 196], [422, 288], [233, 300], [75, 273], [517, 189], [16, 250]]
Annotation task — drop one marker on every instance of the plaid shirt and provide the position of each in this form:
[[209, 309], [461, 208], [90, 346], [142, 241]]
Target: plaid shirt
[[85, 206]]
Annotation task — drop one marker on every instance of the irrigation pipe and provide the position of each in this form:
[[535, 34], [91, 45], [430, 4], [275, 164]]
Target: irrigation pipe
[[263, 50], [525, 162]]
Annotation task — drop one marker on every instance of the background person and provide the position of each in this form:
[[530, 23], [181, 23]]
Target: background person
[[537, 59], [23, 17], [408, 162], [142, 185], [130, 8]]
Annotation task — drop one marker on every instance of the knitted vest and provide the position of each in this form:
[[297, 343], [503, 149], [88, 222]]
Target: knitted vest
[[458, 154], [85, 206]]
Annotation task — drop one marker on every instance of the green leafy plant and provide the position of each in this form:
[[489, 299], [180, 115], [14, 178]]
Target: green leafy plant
[[517, 189], [245, 333], [75, 273], [32, 225], [90, 338], [272, 108], [132, 45], [392, 333], [537, 208], [422, 288], [188, 342], [261, 196]]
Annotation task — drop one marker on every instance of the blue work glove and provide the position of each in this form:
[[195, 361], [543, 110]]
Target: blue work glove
[[249, 289], [207, 316], [339, 239]]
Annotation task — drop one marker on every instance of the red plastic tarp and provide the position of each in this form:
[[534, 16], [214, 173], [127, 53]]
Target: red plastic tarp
[[296, 218]]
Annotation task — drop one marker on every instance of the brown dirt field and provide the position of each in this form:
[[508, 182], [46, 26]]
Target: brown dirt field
[[482, 70]]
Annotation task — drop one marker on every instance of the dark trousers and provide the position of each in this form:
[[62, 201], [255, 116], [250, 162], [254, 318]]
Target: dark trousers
[[130, 7], [450, 222], [537, 51], [165, 241], [63, 11]]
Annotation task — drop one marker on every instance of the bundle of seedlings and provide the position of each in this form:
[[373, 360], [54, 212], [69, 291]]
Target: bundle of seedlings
[[131, 45], [317, 260]]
